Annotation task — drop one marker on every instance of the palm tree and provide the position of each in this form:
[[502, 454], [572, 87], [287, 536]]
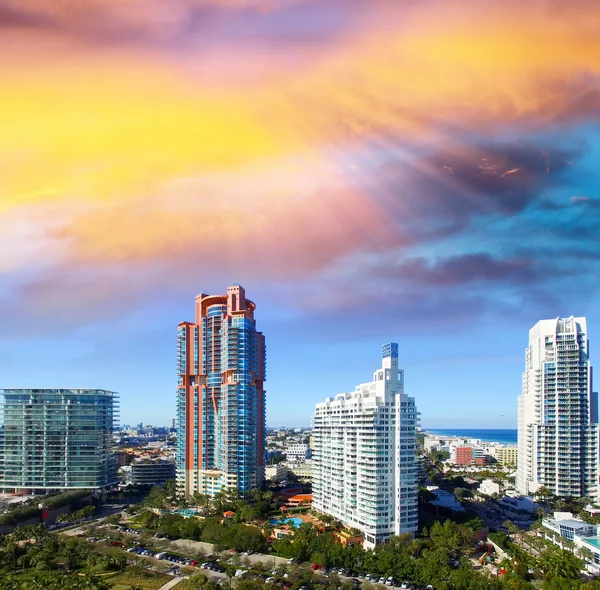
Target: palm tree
[[256, 494], [511, 527], [568, 544], [202, 500], [585, 554], [559, 564]]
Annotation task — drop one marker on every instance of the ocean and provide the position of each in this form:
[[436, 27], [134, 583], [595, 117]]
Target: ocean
[[506, 436]]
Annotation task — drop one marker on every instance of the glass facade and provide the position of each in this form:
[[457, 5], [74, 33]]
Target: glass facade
[[57, 438], [220, 397]]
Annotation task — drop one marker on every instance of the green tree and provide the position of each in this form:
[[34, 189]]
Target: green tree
[[559, 564]]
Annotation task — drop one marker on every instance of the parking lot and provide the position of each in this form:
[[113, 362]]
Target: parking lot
[[214, 566]]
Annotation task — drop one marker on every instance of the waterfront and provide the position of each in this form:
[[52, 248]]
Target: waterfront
[[505, 436]]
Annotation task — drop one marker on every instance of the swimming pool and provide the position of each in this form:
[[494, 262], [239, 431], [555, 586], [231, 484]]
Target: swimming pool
[[594, 541], [293, 520]]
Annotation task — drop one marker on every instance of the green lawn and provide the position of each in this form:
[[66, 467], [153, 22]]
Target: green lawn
[[149, 581]]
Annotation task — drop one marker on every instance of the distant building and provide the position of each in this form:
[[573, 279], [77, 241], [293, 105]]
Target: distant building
[[57, 439], [462, 455], [506, 456], [221, 396], [303, 471], [276, 472], [365, 468], [152, 473], [558, 412], [297, 452]]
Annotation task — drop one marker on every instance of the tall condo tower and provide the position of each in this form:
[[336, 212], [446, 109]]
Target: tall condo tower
[[220, 396], [558, 413], [365, 469], [57, 439]]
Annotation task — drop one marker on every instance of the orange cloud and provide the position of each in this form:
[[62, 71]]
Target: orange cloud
[[157, 151]]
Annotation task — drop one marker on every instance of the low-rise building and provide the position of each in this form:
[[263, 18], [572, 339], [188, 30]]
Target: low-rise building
[[506, 455], [489, 487], [152, 473], [581, 534], [462, 455], [303, 471], [297, 452], [515, 503], [445, 499], [277, 472]]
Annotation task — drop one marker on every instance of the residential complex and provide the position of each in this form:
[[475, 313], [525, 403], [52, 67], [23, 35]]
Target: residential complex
[[506, 455], [297, 452], [56, 439], [558, 430], [578, 534], [220, 396], [151, 472], [467, 455], [364, 458], [464, 452]]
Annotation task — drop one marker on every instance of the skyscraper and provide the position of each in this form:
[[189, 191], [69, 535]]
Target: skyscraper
[[365, 472], [58, 439], [221, 396], [558, 430]]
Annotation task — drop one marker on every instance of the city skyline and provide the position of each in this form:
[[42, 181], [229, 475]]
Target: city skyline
[[356, 165]]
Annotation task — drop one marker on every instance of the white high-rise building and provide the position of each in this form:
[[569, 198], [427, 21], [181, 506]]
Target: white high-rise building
[[365, 472], [558, 413]]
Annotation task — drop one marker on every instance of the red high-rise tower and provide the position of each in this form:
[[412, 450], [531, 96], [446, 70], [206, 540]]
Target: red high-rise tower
[[221, 396]]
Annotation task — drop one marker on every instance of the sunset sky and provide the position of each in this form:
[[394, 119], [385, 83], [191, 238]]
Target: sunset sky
[[418, 171]]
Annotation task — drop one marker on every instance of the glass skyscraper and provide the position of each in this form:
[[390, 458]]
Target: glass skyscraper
[[220, 396], [57, 439]]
